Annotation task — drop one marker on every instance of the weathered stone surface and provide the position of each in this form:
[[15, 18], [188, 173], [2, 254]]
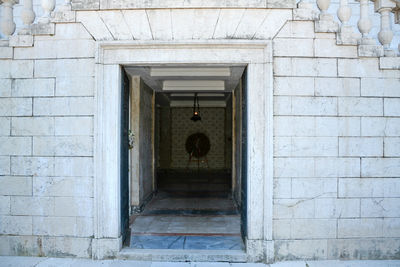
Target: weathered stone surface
[[314, 187], [294, 86], [300, 48], [21, 40], [371, 126], [85, 4], [367, 50], [32, 166], [74, 206], [93, 23], [74, 86], [380, 87], [5, 165], [43, 29], [353, 228], [337, 167], [63, 146], [63, 186], [305, 11], [389, 63], [6, 52], [29, 126], [392, 146], [27, 205], [16, 68], [5, 126], [64, 16], [300, 249], [360, 106], [73, 166], [305, 67], [138, 24], [366, 67], [33, 87], [362, 248], [336, 208], [337, 87], [80, 67], [326, 23], [16, 225], [15, 185], [5, 85], [113, 4], [70, 31], [15, 146], [70, 126], [380, 167], [62, 106], [5, 206], [384, 207], [361, 147], [329, 48], [392, 106], [62, 226], [115, 23], [307, 106]]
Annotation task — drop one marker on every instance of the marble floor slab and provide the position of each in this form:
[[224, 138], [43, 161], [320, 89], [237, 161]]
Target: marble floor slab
[[165, 202], [175, 222], [186, 242], [226, 224]]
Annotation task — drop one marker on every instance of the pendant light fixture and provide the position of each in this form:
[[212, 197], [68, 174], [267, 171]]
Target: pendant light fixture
[[196, 109]]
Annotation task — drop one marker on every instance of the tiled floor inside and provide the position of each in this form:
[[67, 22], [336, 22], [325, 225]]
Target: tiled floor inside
[[173, 222]]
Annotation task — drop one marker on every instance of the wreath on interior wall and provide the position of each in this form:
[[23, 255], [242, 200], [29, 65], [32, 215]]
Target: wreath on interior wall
[[197, 145]]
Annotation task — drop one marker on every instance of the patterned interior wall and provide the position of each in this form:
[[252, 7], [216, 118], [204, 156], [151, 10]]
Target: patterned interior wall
[[211, 124]]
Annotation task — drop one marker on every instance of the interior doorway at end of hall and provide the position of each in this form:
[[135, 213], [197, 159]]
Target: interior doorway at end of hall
[[186, 142]]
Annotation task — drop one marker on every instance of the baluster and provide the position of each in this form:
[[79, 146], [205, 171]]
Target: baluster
[[323, 5], [325, 22], [385, 35], [364, 23], [346, 34], [48, 6], [367, 46], [7, 17], [27, 16], [344, 13], [397, 17]]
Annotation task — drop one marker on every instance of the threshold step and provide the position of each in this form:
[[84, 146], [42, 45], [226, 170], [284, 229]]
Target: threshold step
[[186, 241], [182, 255], [190, 212]]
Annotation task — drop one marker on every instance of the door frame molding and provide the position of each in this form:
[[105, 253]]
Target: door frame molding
[[112, 56]]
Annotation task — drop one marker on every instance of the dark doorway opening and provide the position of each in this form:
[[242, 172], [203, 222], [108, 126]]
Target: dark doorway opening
[[187, 177]]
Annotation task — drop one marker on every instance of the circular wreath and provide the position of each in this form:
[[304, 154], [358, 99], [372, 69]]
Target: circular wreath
[[197, 145]]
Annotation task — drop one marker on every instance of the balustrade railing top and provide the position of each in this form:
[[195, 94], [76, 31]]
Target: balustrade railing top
[[324, 22]]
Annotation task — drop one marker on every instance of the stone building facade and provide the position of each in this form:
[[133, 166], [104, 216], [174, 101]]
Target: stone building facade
[[323, 179]]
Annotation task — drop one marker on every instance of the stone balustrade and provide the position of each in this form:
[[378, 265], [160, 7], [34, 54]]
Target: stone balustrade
[[324, 22]]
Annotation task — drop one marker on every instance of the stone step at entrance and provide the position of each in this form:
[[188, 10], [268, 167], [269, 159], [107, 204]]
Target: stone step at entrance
[[195, 183], [171, 222]]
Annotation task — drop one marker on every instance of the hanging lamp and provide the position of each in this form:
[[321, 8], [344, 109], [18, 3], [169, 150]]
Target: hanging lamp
[[196, 109]]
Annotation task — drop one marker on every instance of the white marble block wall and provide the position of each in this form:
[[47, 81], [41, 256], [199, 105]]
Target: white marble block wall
[[336, 148], [46, 145], [336, 133]]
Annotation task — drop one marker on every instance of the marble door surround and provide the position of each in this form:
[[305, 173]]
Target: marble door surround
[[111, 57]]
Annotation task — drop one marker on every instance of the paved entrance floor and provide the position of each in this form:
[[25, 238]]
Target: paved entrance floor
[[176, 222], [6, 261]]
